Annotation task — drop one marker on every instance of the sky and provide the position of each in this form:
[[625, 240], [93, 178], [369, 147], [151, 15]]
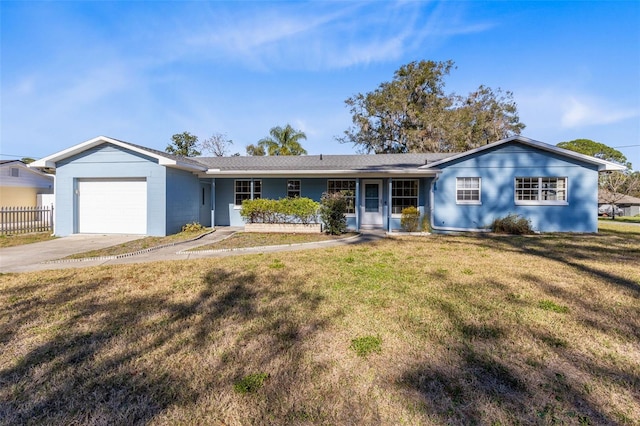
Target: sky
[[141, 71]]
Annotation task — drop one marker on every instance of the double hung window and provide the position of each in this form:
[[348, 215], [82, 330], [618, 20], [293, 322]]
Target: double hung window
[[404, 193], [468, 190], [293, 188], [348, 189], [247, 190]]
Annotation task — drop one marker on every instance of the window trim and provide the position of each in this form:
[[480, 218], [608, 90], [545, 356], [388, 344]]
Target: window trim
[[252, 192], [392, 197], [355, 186], [299, 190], [14, 172], [477, 202], [540, 201]]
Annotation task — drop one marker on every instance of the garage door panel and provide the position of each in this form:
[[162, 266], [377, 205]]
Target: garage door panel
[[112, 206]]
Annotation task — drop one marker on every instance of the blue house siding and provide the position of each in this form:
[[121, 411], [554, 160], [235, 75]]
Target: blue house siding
[[183, 199], [498, 169], [108, 161], [227, 214]]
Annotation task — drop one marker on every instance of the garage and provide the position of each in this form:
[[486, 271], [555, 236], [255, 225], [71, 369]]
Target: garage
[[112, 206]]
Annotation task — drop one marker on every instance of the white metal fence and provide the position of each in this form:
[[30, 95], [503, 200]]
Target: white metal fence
[[22, 220]]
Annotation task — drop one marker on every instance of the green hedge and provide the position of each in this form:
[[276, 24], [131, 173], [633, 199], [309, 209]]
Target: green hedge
[[285, 210]]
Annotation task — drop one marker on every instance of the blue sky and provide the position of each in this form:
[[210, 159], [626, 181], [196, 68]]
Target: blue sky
[[142, 71]]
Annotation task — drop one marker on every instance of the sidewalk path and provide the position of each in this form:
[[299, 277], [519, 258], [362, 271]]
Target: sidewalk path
[[175, 252]]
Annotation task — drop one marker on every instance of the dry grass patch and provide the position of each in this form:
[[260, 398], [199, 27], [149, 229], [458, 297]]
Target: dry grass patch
[[254, 239], [467, 325], [141, 244], [22, 239]]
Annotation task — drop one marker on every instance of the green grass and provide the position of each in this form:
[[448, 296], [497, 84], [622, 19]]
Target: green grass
[[366, 345], [624, 219], [22, 239], [250, 383], [473, 329]]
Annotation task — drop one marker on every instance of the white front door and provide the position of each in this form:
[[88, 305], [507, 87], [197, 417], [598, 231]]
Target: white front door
[[372, 199]]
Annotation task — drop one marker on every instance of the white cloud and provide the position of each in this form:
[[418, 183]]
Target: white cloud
[[586, 111], [558, 108], [328, 35]]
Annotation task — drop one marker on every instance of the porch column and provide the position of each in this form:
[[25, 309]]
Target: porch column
[[213, 202], [388, 204], [357, 205]]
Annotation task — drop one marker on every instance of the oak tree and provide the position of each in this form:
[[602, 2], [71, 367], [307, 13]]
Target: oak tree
[[184, 144], [413, 113]]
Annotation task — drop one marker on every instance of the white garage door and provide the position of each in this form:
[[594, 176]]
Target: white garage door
[[112, 206]]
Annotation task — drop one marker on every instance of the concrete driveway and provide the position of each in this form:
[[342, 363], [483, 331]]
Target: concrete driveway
[[23, 258], [30, 257]]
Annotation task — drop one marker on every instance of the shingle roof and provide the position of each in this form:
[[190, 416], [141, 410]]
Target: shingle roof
[[369, 162], [188, 160]]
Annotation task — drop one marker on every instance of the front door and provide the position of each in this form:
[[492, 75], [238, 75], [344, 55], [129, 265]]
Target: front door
[[372, 196], [205, 204]]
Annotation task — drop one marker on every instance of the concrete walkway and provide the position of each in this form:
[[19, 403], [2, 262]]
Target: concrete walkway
[[44, 255]]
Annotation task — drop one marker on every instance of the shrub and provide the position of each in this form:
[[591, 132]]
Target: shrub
[[512, 224], [410, 219], [192, 227], [333, 209], [285, 210]]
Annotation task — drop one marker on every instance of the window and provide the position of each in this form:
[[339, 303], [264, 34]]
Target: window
[[404, 193], [348, 188], [15, 172], [468, 190], [243, 190], [293, 188], [541, 190]]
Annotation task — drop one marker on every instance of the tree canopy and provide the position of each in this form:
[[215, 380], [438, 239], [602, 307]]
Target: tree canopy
[[413, 113], [595, 149], [283, 141], [184, 144]]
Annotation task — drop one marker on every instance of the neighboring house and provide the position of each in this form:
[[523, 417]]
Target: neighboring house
[[21, 185], [626, 206], [105, 185]]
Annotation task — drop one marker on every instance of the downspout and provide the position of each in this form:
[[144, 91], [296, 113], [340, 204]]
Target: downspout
[[446, 228]]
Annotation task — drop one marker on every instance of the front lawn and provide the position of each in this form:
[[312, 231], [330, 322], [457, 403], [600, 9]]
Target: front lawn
[[483, 329], [22, 239]]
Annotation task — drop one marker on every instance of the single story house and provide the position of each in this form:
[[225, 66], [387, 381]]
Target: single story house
[[626, 205], [105, 185], [21, 185]]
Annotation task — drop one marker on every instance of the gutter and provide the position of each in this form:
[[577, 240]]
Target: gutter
[[446, 228]]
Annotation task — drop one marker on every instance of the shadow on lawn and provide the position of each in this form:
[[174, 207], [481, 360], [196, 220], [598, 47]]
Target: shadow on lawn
[[480, 381], [111, 360], [475, 385]]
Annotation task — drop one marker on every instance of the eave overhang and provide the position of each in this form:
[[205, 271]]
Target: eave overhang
[[51, 160], [406, 173], [603, 165]]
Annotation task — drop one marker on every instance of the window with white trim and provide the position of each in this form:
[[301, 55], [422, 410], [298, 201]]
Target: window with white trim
[[15, 172], [541, 190], [293, 188], [468, 190], [404, 193], [243, 190], [348, 189]]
